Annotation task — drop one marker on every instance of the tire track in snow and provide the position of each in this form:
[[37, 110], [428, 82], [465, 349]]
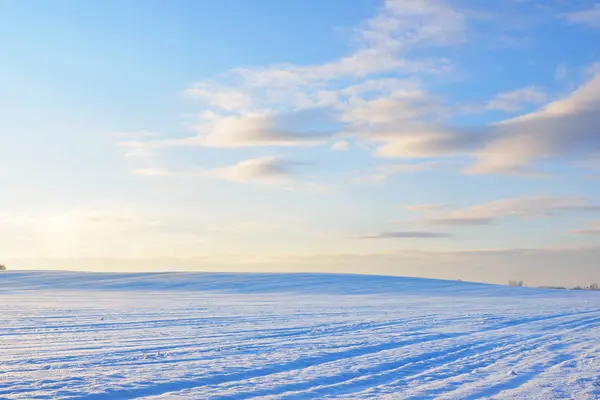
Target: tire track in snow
[[351, 336], [118, 355], [543, 344], [302, 363], [533, 365], [312, 361], [383, 373]]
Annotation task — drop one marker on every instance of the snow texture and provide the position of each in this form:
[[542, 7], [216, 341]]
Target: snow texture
[[72, 335]]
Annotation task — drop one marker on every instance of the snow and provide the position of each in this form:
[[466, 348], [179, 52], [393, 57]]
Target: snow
[[74, 335]]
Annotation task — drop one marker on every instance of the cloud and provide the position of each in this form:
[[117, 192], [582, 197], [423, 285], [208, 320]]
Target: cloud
[[78, 220], [298, 105], [342, 145], [252, 130], [562, 72], [384, 172], [138, 153], [515, 100], [270, 170], [399, 26], [592, 230], [394, 107], [265, 170], [508, 209], [429, 141], [375, 95], [411, 167], [133, 135], [466, 221], [427, 207], [564, 129], [407, 235], [161, 172], [228, 100], [245, 227], [589, 17], [108, 217]]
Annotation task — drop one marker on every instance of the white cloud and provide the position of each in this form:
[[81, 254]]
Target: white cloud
[[162, 172], [341, 145], [269, 170], [278, 105], [383, 172], [374, 95], [139, 153], [592, 230], [562, 72], [389, 170], [79, 218], [251, 130], [392, 108], [228, 100], [424, 141], [399, 26], [515, 100], [426, 207], [564, 128], [265, 170], [413, 167], [245, 227], [407, 235], [589, 17], [508, 209], [133, 135]]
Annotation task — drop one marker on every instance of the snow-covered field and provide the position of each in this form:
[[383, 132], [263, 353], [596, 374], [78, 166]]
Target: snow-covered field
[[69, 335]]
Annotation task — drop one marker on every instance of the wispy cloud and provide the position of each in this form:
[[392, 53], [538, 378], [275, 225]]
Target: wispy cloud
[[422, 140], [407, 235], [133, 135], [266, 170], [592, 230], [375, 95], [289, 105], [563, 129], [269, 170], [589, 17], [257, 129], [139, 153], [515, 100], [88, 220], [509, 209], [384, 172], [342, 145], [427, 207]]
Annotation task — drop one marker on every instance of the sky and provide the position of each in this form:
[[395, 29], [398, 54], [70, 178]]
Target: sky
[[454, 139]]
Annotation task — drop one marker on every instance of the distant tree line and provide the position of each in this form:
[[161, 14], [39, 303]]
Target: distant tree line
[[593, 286]]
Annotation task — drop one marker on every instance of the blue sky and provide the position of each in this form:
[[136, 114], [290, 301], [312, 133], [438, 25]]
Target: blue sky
[[453, 139]]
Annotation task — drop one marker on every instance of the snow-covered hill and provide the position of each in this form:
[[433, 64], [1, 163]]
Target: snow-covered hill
[[73, 335]]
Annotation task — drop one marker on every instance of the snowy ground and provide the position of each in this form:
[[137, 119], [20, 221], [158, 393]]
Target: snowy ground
[[67, 335]]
